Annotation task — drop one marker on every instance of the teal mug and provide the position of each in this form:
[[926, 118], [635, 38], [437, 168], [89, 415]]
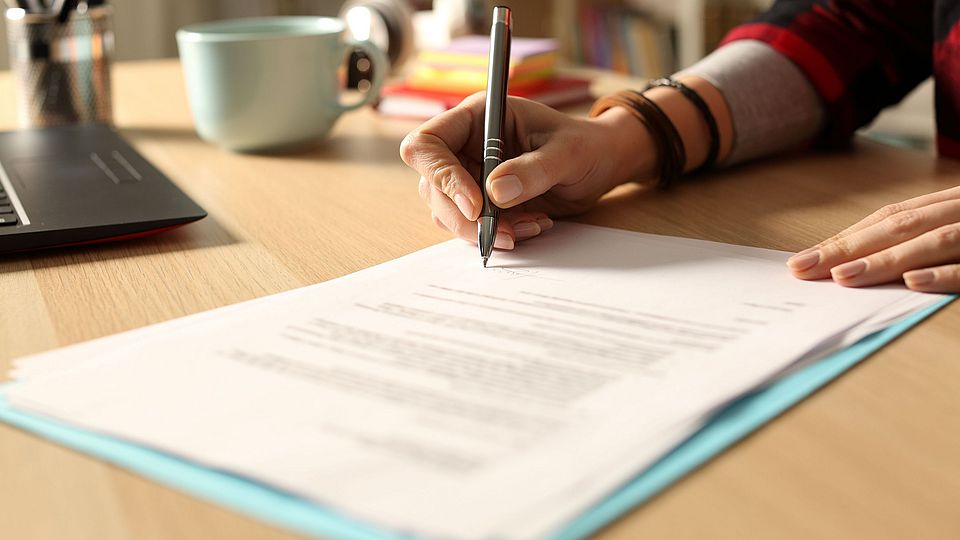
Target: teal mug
[[270, 83]]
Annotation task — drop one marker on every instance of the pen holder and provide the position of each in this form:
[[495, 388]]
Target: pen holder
[[62, 69]]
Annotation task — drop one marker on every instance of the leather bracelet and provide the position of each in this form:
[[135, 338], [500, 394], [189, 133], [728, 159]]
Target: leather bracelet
[[708, 117], [671, 155]]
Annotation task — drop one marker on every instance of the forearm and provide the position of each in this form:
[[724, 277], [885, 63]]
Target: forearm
[[772, 105], [760, 101]]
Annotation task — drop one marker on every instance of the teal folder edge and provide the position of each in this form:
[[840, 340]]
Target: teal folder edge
[[260, 501]]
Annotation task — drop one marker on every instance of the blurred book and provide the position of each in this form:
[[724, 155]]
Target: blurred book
[[622, 39], [475, 51], [405, 101], [470, 82], [441, 78], [461, 66]]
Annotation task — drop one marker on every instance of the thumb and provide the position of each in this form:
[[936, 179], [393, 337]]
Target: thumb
[[531, 174]]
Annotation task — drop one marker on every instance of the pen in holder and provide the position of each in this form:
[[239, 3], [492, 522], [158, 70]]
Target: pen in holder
[[62, 67]]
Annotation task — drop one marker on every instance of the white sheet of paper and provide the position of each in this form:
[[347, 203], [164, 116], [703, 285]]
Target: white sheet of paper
[[433, 396]]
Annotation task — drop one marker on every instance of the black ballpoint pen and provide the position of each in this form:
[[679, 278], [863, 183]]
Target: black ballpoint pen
[[498, 68]]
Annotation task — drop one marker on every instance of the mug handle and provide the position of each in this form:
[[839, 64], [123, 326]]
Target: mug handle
[[379, 64]]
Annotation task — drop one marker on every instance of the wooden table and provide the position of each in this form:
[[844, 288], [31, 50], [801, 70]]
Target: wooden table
[[875, 454]]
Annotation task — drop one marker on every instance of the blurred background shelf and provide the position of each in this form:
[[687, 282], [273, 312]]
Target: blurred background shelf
[[643, 38], [145, 28]]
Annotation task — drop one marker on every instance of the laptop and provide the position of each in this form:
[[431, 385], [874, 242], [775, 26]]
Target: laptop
[[82, 184]]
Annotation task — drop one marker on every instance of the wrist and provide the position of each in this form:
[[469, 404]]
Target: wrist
[[627, 145]]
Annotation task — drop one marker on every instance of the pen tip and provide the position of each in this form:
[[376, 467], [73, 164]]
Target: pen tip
[[485, 259]]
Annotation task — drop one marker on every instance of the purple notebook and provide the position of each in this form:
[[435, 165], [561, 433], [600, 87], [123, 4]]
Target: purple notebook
[[520, 48]]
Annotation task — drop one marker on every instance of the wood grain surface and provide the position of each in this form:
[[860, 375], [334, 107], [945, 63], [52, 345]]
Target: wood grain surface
[[875, 454]]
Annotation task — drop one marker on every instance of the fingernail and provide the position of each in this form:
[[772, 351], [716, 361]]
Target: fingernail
[[918, 277], [849, 270], [464, 204], [506, 188], [503, 241], [526, 229], [804, 261], [545, 224]]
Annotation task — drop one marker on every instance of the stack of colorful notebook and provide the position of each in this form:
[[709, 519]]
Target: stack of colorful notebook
[[442, 78]]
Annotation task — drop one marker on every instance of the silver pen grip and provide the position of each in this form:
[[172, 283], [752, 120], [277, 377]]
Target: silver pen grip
[[492, 156]]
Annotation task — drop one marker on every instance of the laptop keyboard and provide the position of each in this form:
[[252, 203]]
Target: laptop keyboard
[[8, 216]]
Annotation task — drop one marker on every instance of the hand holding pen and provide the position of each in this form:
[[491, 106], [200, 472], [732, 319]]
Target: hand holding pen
[[555, 165], [558, 165]]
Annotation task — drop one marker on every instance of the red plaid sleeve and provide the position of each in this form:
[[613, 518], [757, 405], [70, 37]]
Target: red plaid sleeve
[[861, 55]]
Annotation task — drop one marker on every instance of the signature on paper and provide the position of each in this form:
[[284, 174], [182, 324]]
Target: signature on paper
[[517, 273]]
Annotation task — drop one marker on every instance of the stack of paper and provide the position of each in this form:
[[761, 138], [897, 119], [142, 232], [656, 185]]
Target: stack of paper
[[434, 397]]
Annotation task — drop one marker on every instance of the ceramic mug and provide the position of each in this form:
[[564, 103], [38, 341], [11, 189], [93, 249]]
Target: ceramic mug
[[270, 83]]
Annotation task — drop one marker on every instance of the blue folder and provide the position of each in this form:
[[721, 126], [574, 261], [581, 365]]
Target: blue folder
[[282, 509]]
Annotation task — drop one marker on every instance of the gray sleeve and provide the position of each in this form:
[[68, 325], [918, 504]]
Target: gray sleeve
[[772, 104]]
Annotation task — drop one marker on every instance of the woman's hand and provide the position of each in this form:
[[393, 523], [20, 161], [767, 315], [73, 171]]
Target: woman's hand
[[560, 165], [917, 240]]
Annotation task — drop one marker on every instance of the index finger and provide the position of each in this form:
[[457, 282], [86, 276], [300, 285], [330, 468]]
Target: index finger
[[453, 129], [432, 151]]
